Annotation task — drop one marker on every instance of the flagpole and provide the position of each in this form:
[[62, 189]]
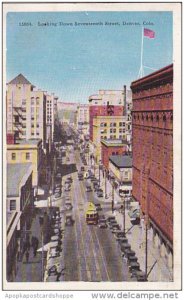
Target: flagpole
[[141, 71]]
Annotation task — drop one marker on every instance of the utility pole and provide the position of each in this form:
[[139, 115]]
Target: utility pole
[[105, 185], [112, 196]]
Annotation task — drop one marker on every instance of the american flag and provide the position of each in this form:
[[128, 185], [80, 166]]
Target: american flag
[[149, 33]]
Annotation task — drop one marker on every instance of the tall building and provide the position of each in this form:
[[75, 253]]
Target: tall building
[[26, 110], [83, 119], [109, 118], [105, 103], [152, 126], [51, 115]]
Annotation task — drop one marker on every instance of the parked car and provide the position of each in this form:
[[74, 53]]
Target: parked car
[[69, 220], [102, 224], [69, 180], [68, 205], [98, 206], [57, 195], [88, 188], [99, 193], [67, 188]]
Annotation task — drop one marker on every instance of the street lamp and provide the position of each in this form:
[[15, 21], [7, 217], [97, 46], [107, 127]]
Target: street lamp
[[124, 215], [105, 184], [112, 195]]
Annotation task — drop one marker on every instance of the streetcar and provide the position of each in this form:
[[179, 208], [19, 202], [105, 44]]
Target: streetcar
[[91, 214]]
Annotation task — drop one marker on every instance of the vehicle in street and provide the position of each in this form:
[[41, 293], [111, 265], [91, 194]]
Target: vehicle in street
[[98, 206], [135, 221], [91, 214], [134, 213], [89, 188], [69, 220], [80, 176], [99, 193], [102, 224], [69, 180], [68, 205], [57, 195], [67, 188]]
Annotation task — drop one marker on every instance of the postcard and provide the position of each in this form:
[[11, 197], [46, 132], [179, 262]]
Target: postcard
[[92, 146]]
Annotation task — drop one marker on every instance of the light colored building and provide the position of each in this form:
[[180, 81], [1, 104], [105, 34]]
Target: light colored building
[[83, 119], [51, 116], [28, 151], [26, 110], [19, 196], [120, 166], [105, 128]]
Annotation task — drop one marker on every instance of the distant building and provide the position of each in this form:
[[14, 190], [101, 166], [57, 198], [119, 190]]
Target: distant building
[[83, 119], [105, 103], [152, 121], [26, 110], [51, 115], [112, 148]]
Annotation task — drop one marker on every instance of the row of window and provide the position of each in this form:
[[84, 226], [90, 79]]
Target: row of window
[[27, 156], [113, 124], [113, 130], [113, 137]]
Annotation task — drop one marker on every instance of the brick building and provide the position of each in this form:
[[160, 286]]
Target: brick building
[[111, 148], [105, 103], [152, 147]]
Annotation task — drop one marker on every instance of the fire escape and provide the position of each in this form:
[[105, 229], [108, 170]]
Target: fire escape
[[18, 118], [110, 109]]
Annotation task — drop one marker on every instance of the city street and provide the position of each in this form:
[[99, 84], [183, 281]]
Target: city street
[[90, 252]]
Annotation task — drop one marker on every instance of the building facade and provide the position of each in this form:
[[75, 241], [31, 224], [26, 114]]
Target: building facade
[[112, 148], [83, 119], [120, 167], [28, 151], [26, 110], [105, 103], [152, 126], [18, 207]]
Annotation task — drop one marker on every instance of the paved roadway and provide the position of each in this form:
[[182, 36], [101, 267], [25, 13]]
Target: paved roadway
[[90, 253]]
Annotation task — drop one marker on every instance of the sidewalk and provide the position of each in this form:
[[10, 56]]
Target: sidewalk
[[162, 270], [31, 271]]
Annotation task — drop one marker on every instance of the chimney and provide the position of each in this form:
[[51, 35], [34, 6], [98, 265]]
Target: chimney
[[125, 108]]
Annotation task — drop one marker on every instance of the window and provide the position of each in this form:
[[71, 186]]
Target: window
[[12, 204], [114, 130], [32, 125], [111, 130], [37, 101], [32, 101], [27, 156], [120, 123], [13, 156], [123, 123], [120, 130], [37, 125], [23, 101], [114, 124], [105, 124], [32, 109]]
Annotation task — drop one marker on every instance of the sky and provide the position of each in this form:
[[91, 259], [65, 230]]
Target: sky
[[75, 62]]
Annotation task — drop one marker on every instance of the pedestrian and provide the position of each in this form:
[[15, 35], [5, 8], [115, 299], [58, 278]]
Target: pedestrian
[[27, 256]]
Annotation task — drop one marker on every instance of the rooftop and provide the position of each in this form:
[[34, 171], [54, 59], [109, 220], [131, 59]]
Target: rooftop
[[15, 173], [20, 79], [114, 142], [29, 142], [121, 161]]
